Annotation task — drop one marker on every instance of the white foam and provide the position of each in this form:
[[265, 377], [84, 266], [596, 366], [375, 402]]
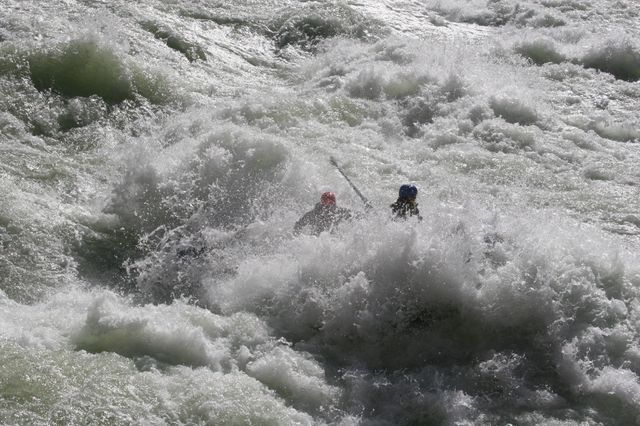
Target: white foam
[[208, 350], [301, 381]]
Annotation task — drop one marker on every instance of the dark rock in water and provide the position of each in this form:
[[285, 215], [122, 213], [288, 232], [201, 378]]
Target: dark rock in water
[[308, 26], [190, 251], [306, 31], [224, 20], [191, 51]]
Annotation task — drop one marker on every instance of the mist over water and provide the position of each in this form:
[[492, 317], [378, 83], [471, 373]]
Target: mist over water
[[155, 155]]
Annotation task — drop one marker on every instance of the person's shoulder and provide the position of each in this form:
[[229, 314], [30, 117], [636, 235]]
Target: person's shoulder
[[306, 217], [345, 210]]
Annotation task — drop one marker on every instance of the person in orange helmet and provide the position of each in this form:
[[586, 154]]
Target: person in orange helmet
[[324, 216]]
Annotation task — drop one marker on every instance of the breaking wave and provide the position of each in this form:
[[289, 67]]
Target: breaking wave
[[622, 60]]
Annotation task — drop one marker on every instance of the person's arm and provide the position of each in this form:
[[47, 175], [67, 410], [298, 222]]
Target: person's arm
[[344, 214], [302, 222], [417, 212], [396, 209]]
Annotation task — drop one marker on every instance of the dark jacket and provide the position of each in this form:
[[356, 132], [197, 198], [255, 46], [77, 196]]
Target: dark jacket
[[404, 208], [322, 218]]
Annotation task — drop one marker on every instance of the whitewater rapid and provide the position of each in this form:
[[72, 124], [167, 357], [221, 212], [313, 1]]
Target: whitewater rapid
[[155, 155]]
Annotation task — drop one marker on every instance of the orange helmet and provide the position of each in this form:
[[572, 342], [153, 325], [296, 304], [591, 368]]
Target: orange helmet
[[328, 199]]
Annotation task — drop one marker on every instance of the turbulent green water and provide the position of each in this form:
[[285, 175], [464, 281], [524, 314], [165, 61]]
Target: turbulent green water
[[155, 155]]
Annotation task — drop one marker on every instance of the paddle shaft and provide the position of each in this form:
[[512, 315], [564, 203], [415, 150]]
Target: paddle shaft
[[362, 197]]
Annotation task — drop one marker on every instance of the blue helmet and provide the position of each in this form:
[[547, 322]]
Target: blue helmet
[[408, 191]]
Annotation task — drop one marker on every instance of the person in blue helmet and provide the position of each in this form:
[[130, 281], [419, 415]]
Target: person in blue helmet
[[324, 217], [406, 205]]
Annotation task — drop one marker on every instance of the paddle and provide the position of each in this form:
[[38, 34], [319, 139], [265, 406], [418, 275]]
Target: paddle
[[362, 197]]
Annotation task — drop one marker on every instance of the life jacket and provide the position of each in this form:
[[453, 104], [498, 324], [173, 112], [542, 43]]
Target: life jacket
[[322, 218], [403, 208]]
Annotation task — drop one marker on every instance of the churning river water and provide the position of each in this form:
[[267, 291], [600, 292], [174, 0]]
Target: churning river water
[[155, 154]]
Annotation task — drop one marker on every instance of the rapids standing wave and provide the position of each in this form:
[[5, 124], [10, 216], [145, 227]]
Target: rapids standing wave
[[155, 155]]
